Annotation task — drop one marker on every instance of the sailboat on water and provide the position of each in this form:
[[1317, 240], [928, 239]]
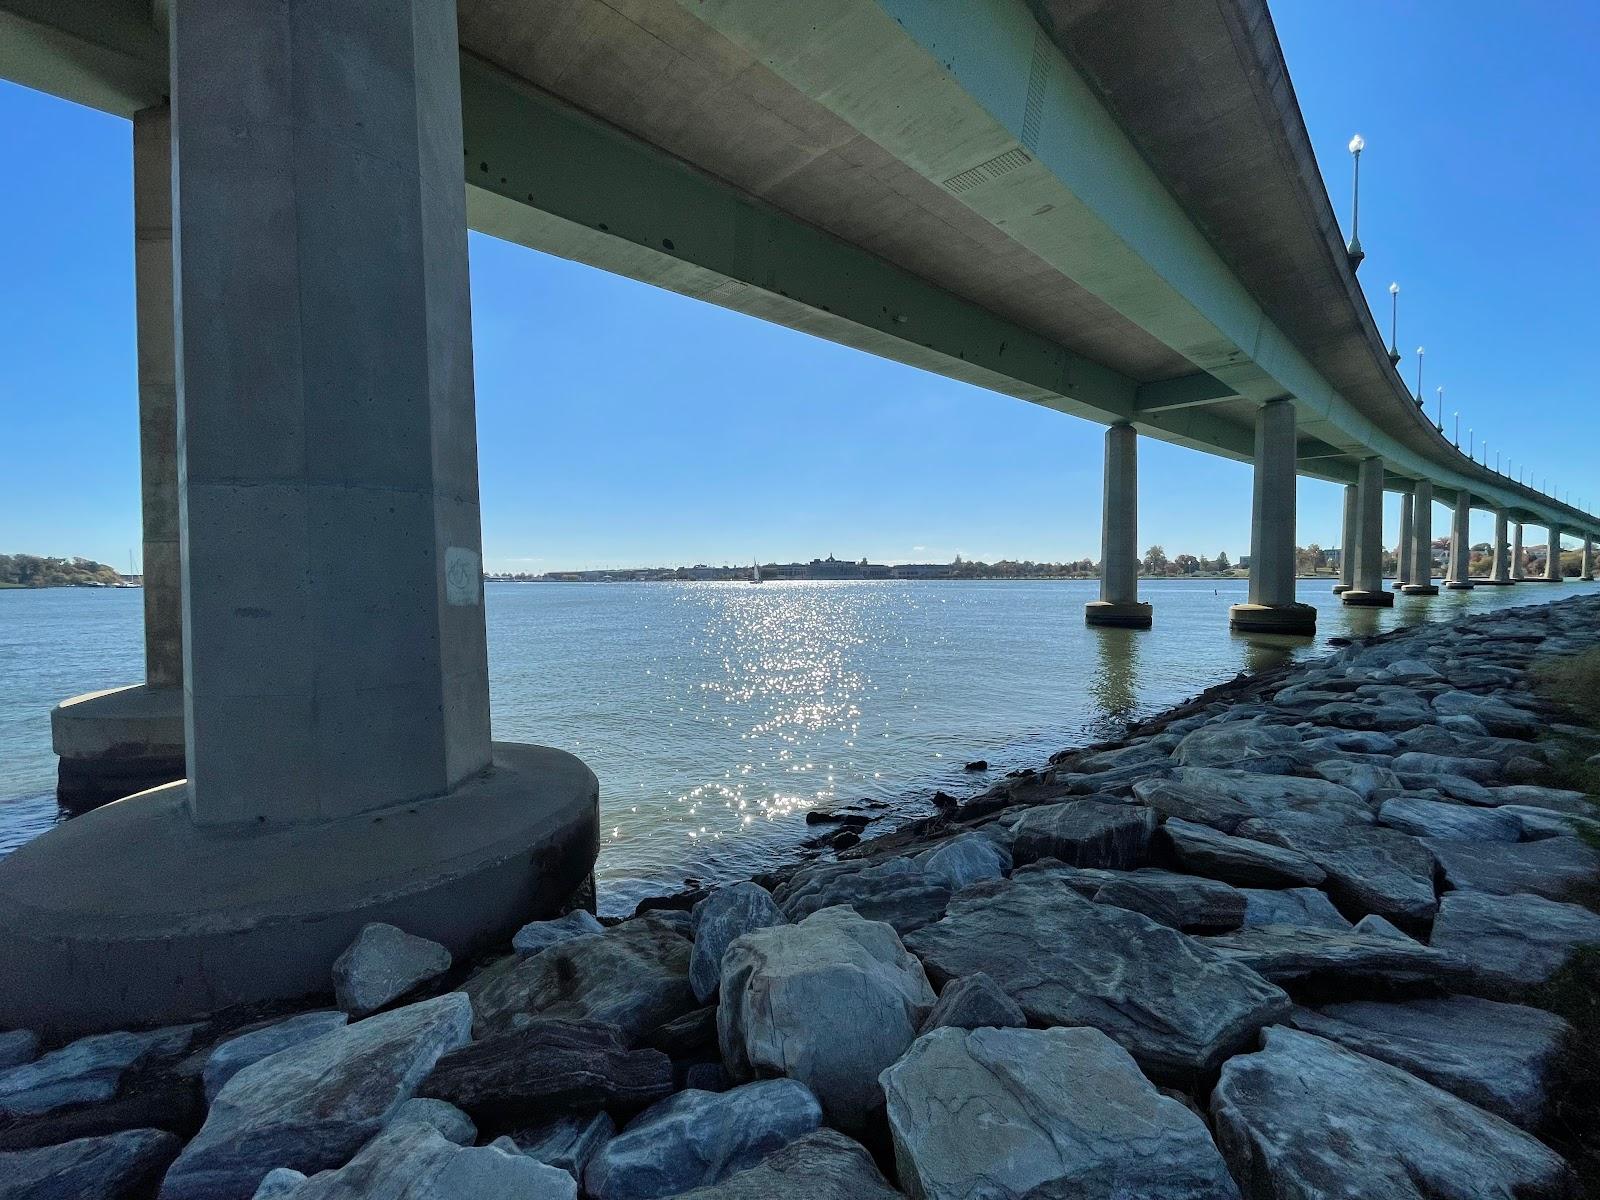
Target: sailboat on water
[[755, 572]]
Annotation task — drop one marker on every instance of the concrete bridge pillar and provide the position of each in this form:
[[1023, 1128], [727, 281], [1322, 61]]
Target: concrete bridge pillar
[[117, 742], [1459, 578], [1272, 607], [336, 697], [1347, 547], [1119, 536], [1404, 554], [1422, 541], [1588, 558], [1500, 561], [1369, 591], [1552, 558], [1517, 560]]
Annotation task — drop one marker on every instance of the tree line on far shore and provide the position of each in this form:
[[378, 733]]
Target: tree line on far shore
[[32, 570]]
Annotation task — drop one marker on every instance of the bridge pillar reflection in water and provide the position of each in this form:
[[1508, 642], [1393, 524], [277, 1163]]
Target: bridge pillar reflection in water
[[1421, 583], [1368, 590], [1460, 550], [340, 768], [1119, 537], [1500, 557], [123, 740], [1347, 551], [1404, 554], [1272, 607]]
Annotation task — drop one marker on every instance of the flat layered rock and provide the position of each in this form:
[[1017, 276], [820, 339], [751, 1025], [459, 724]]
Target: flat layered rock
[[382, 965], [898, 892], [1241, 861], [1577, 804], [86, 1071], [235, 1054], [1441, 819], [1012, 1113], [548, 1067], [1555, 868], [1372, 783], [113, 1167], [1223, 799], [1306, 1118], [1297, 955], [1495, 715], [634, 976], [1303, 907], [819, 1166], [1179, 1007], [1513, 941], [313, 1105], [829, 1001], [727, 913], [1497, 1056], [1369, 868], [1242, 744], [698, 1138], [1085, 833], [1416, 762], [1191, 903]]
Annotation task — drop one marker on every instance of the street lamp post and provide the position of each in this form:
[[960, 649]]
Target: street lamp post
[[1394, 324], [1471, 444], [1420, 353], [1457, 438], [1353, 251]]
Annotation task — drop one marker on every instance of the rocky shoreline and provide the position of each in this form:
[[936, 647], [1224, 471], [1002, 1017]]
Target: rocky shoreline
[[1321, 931]]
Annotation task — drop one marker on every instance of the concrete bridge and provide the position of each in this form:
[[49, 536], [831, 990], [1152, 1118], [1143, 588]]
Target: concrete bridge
[[995, 190]]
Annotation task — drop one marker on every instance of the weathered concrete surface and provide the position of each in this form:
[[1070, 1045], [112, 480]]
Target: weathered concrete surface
[[117, 742]]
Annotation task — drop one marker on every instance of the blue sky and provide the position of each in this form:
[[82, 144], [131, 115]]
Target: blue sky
[[623, 425]]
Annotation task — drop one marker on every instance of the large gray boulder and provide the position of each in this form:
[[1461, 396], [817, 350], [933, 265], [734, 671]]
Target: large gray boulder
[[540, 935], [1495, 715], [452, 1124], [1555, 868], [1540, 823], [1369, 868], [113, 1167], [1085, 833], [1192, 903], [1013, 1113], [974, 1002], [1223, 799], [1306, 1119], [726, 914], [1416, 762], [85, 1071], [634, 976], [567, 1142], [382, 965], [897, 891], [1244, 744], [1577, 804], [1439, 818], [1207, 851], [830, 1001], [1177, 1006], [1512, 941], [1294, 955], [1305, 907], [697, 1138], [414, 1162], [1497, 1056], [819, 1166], [313, 1105], [235, 1054], [965, 859]]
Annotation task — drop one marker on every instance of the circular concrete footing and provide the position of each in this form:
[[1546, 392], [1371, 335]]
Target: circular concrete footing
[[1124, 616], [1361, 598], [1453, 585], [1493, 582], [132, 914], [1273, 618], [1540, 579], [1419, 589], [116, 742], [1340, 588]]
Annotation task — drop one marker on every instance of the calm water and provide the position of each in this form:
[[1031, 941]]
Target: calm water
[[717, 714]]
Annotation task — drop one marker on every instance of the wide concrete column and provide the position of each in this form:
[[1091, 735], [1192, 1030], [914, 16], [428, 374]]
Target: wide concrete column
[[117, 742], [1119, 536], [1552, 557], [1272, 607], [1347, 554], [1421, 583], [1458, 578], [1500, 559], [1404, 553], [1587, 573], [1517, 575], [340, 766], [1369, 591]]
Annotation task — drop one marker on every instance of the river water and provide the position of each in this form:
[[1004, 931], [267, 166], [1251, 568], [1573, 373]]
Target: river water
[[717, 714]]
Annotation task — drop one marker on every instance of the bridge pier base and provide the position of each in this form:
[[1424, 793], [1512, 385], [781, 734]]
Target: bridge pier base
[[1404, 555], [1369, 591], [1499, 563], [1421, 541], [1119, 603], [1272, 607], [119, 741], [1459, 578], [335, 673]]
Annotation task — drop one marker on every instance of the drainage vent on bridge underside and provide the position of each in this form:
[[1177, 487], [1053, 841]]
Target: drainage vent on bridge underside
[[1000, 164]]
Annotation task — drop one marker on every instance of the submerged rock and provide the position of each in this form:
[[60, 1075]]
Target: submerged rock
[[698, 1138], [726, 914], [1513, 941], [819, 1166], [541, 935], [113, 1167], [1009, 1113], [383, 964], [1085, 833], [311, 1106], [1308, 1118], [1179, 1007], [973, 1002], [830, 1001]]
